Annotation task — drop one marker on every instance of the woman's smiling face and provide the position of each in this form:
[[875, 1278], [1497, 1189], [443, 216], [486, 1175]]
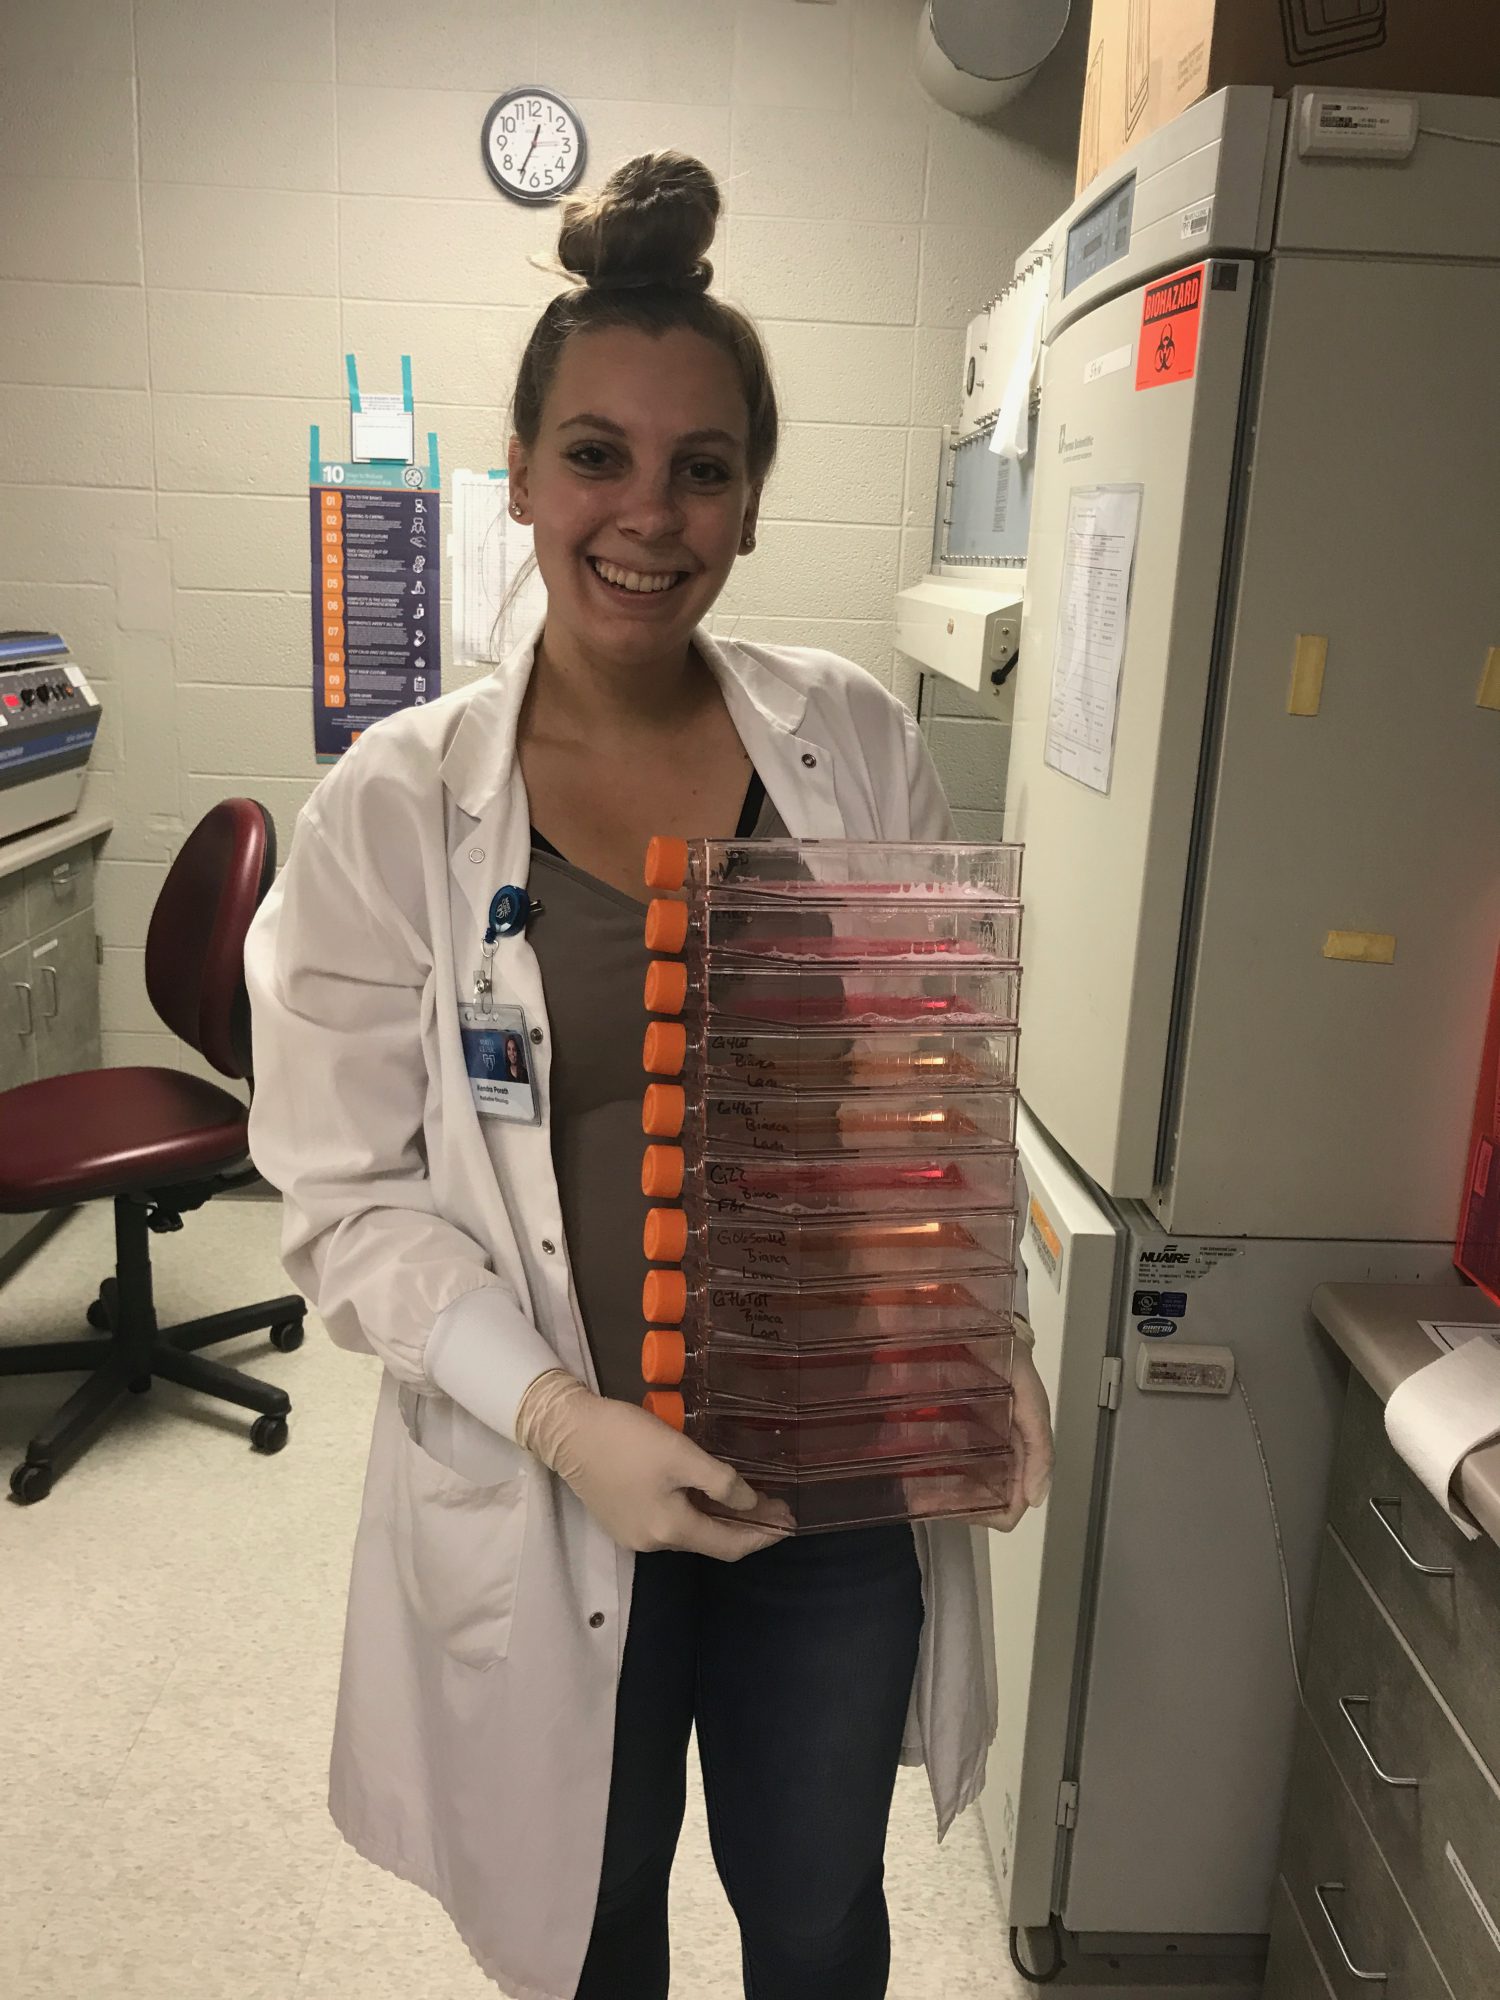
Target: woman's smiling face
[[636, 488]]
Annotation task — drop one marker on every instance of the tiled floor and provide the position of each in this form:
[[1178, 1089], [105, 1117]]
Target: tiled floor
[[170, 1620]]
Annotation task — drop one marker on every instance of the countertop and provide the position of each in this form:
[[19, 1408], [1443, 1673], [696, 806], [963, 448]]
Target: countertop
[[1376, 1326], [26, 849]]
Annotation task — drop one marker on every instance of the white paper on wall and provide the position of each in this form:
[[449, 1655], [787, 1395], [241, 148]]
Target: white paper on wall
[[488, 550]]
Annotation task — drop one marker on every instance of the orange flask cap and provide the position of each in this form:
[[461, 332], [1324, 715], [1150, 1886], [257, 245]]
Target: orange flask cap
[[666, 862], [665, 1235], [668, 1405], [663, 1356], [664, 1297], [666, 925], [662, 1172], [665, 1051], [666, 986]]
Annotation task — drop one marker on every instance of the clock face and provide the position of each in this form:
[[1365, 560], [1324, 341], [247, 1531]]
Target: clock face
[[533, 145]]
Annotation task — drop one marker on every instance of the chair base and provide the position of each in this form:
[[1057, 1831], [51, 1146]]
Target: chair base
[[134, 1353]]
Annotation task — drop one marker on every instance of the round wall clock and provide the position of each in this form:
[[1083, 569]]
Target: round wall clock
[[533, 145]]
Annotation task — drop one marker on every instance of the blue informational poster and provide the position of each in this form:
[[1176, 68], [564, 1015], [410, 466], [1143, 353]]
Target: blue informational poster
[[376, 540]]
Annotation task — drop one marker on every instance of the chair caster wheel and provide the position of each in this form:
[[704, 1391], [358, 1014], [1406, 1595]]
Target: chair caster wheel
[[268, 1434], [98, 1317], [139, 1386], [287, 1337], [29, 1483]]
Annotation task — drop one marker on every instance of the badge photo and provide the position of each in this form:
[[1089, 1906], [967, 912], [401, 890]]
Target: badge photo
[[497, 1056]]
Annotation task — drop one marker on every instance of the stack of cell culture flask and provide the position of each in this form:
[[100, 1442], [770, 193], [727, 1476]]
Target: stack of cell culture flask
[[831, 1126]]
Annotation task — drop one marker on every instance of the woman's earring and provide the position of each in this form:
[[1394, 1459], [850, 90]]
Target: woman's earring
[[747, 544], [515, 508]]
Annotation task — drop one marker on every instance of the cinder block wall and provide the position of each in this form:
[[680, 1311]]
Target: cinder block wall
[[204, 204]]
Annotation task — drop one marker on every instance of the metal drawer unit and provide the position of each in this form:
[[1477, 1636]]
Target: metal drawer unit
[[1441, 1591], [1365, 1938], [1432, 1807], [1394, 1793], [1301, 1975], [58, 889]]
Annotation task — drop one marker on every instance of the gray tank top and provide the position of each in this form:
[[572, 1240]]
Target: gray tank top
[[591, 948]]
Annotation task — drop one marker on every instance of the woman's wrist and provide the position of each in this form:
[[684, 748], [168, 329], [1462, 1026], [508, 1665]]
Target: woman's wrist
[[539, 1403]]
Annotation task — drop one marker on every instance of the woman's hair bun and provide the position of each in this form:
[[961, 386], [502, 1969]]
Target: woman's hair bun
[[650, 224]]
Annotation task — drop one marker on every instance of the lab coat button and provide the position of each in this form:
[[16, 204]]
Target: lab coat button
[[597, 1620], [536, 1034], [809, 759], [549, 1246]]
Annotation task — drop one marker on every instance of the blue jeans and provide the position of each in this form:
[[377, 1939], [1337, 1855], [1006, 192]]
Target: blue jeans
[[796, 1666]]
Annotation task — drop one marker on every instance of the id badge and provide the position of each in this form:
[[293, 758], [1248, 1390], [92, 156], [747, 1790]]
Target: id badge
[[497, 1056]]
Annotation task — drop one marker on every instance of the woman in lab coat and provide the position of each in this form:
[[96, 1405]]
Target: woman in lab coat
[[538, 1612]]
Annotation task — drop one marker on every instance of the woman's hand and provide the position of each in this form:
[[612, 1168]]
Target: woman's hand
[[1031, 1436], [635, 1474]]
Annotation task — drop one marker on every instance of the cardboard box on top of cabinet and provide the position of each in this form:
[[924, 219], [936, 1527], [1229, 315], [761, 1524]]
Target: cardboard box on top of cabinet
[[1150, 59]]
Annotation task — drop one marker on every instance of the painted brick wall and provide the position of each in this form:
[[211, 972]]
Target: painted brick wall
[[204, 204]]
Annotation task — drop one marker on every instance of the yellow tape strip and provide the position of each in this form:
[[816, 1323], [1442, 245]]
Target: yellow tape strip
[[1489, 681], [1308, 662], [1361, 947]]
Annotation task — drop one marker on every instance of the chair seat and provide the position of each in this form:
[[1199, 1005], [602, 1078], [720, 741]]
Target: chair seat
[[105, 1132]]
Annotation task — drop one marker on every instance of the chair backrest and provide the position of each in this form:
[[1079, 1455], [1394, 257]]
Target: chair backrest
[[195, 947]]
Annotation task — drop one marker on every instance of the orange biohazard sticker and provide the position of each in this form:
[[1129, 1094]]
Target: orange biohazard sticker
[[1168, 346]]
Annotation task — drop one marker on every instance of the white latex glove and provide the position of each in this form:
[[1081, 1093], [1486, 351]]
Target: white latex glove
[[635, 1474], [1031, 1435]]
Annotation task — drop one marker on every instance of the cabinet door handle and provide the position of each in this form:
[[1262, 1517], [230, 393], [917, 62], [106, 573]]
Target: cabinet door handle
[[1350, 1701], [62, 875], [51, 972], [1322, 1890], [1423, 1569], [29, 1009]]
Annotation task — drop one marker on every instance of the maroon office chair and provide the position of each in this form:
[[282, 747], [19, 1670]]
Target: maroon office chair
[[157, 1143]]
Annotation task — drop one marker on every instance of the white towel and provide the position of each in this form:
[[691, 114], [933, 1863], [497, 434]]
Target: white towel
[[1443, 1412]]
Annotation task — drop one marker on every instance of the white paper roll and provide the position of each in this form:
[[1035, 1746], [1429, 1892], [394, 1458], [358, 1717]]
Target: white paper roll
[[1442, 1413]]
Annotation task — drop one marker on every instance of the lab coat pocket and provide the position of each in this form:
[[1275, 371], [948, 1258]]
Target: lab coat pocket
[[458, 1540]]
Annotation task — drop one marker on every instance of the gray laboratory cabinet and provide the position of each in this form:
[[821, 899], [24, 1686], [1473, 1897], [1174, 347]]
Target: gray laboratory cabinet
[[49, 979]]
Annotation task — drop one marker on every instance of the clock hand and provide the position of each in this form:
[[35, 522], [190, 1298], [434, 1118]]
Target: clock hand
[[534, 137]]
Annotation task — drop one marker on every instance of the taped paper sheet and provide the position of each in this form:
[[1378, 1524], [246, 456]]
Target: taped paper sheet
[[1093, 619], [488, 549], [1015, 349]]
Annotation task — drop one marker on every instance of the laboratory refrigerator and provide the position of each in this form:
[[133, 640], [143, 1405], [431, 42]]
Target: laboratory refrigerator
[[1255, 762]]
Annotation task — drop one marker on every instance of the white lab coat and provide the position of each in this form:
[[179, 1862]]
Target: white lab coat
[[487, 1610]]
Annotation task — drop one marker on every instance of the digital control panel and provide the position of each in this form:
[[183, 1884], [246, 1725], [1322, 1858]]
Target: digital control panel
[[1100, 236], [32, 693]]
